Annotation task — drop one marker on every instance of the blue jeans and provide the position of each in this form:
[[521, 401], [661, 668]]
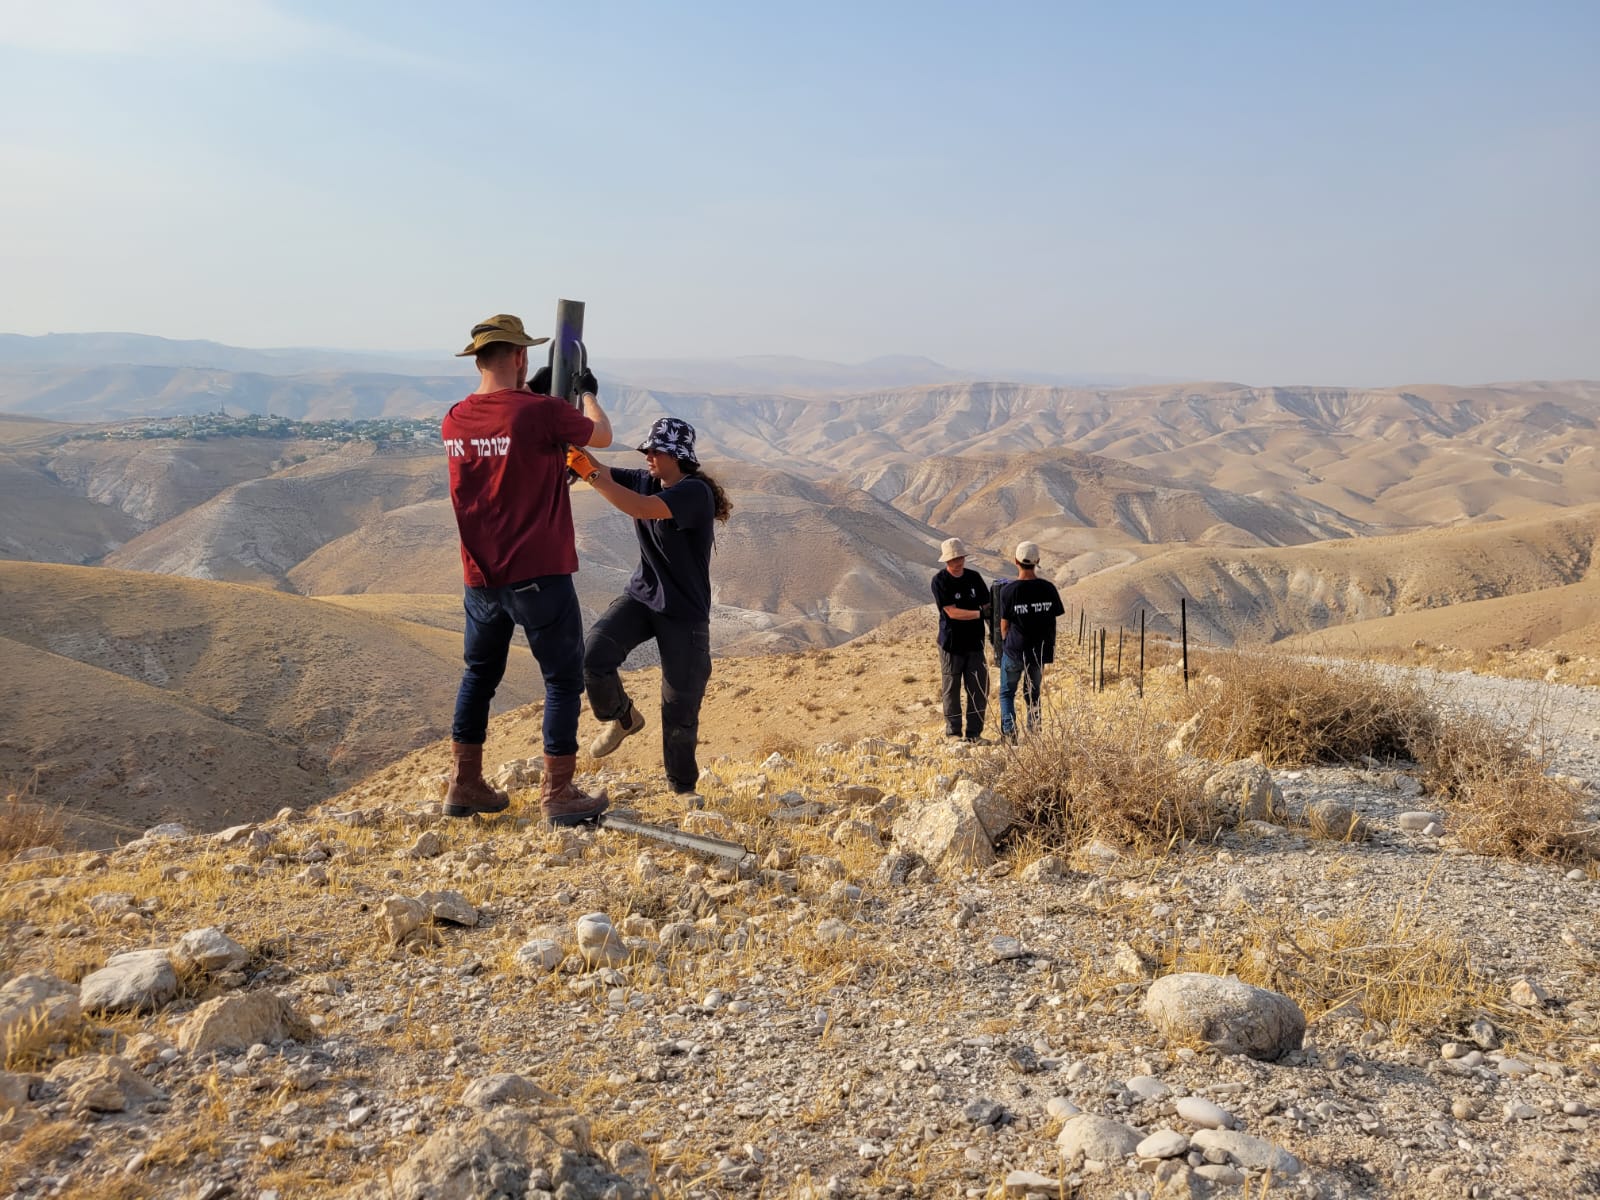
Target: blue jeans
[[547, 610], [1029, 673]]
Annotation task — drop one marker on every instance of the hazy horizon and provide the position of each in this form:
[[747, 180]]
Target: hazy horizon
[[1360, 197]]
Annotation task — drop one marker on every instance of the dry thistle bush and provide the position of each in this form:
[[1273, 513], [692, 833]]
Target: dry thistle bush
[[1100, 771], [24, 823], [1289, 710], [1500, 798]]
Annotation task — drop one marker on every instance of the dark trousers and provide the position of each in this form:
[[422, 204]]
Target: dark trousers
[[685, 648], [968, 671], [547, 610]]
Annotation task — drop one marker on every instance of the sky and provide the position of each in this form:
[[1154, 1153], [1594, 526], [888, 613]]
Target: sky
[[1274, 193]]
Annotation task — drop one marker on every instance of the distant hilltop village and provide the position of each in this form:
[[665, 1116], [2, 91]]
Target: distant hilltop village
[[393, 432]]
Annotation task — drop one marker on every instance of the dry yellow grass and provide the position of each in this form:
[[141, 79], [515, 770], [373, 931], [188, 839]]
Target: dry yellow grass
[[1500, 798], [1289, 710], [1098, 769], [25, 823]]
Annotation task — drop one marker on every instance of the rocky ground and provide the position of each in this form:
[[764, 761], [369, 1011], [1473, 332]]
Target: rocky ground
[[897, 996]]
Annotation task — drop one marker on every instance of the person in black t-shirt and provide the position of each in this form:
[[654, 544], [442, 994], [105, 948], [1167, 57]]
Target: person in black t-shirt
[[674, 505], [961, 597], [1026, 610]]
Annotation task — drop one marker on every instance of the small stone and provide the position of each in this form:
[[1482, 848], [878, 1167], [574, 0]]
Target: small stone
[[1147, 1087], [1528, 994], [1483, 1034], [1203, 1114], [1023, 1059], [598, 942], [537, 957], [496, 1090], [1060, 1108], [450, 907], [427, 845], [36, 1009], [1004, 949], [1251, 1153], [208, 950], [831, 929], [1225, 1013], [1520, 1112], [399, 917], [983, 1112], [358, 1116], [1463, 1109], [134, 981], [1097, 1138], [1164, 1143], [1578, 876], [1025, 1183], [239, 1022], [1221, 1173], [1417, 821]]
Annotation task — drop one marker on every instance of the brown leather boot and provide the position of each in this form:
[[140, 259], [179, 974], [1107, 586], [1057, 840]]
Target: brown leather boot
[[559, 798], [469, 792]]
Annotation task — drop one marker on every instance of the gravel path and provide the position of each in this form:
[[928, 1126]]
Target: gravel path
[[1562, 717]]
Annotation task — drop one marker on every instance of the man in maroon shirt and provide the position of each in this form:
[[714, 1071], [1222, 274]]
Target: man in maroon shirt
[[506, 446]]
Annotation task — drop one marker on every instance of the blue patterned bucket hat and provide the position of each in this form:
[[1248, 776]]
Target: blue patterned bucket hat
[[671, 435]]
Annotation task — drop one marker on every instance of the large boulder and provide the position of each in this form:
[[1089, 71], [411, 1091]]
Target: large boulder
[[1098, 1138], [240, 1021], [1244, 791], [208, 951], [501, 1156], [994, 812], [100, 1083], [1225, 1013], [35, 1010], [1251, 1153], [134, 981], [599, 942], [946, 833]]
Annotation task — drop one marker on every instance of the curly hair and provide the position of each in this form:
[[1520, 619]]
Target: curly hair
[[724, 506]]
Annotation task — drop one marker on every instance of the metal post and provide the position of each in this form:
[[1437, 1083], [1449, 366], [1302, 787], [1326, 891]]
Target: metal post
[[1183, 623], [1119, 651], [1083, 615], [1102, 658], [566, 351], [1141, 653]]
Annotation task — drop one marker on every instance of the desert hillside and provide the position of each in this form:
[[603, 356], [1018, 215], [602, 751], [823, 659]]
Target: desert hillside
[[925, 977], [118, 679], [1262, 595]]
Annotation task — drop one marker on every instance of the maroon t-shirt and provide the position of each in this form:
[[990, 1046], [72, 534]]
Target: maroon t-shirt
[[508, 484]]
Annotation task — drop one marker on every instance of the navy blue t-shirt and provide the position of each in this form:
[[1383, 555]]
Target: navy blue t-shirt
[[674, 574], [1030, 608], [969, 591]]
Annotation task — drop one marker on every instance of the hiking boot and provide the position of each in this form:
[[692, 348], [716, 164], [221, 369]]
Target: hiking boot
[[560, 800], [469, 792], [613, 733]]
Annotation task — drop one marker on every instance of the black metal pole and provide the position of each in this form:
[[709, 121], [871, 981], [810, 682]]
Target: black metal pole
[[1102, 658], [1083, 614], [1183, 623], [1141, 653], [566, 351], [1119, 651]]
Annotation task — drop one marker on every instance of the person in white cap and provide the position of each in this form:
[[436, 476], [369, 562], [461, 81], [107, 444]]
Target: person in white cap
[[961, 597], [1027, 609]]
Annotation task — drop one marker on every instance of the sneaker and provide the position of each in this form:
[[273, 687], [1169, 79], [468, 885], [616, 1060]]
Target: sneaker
[[613, 733]]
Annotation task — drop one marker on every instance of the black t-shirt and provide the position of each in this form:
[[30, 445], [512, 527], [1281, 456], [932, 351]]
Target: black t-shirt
[[674, 574], [969, 591], [1031, 606]]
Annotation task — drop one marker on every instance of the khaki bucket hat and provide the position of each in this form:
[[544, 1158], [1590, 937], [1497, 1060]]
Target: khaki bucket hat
[[502, 327], [952, 548]]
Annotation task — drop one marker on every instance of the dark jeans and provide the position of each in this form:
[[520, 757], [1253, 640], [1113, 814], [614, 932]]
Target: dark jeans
[[1029, 671], [969, 671], [685, 648], [547, 610]]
